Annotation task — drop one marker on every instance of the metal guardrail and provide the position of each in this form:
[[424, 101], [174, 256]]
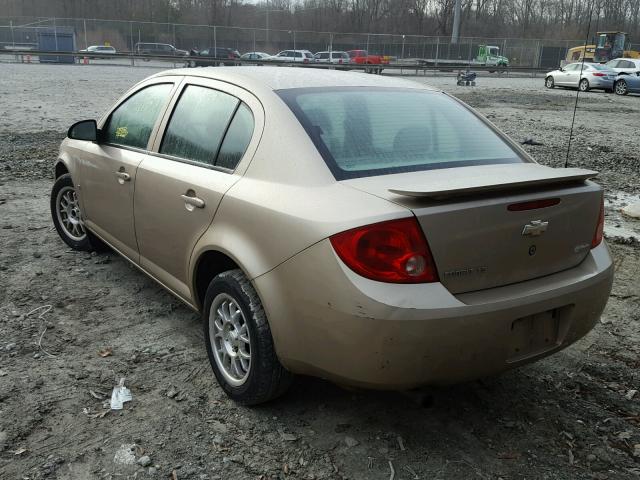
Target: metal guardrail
[[414, 66]]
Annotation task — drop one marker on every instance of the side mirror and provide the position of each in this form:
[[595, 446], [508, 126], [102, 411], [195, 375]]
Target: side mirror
[[84, 130]]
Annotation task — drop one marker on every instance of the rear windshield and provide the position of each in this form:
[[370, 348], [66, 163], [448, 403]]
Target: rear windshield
[[597, 66], [363, 131]]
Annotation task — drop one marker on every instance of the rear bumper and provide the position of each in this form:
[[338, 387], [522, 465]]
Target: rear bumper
[[329, 322], [599, 82]]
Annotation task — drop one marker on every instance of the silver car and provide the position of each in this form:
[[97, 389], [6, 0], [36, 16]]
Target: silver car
[[624, 65], [585, 76]]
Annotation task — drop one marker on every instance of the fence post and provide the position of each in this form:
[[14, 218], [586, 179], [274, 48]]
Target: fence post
[[13, 40], [55, 34], [84, 23], [215, 42], [367, 42], [437, 50], [131, 42]]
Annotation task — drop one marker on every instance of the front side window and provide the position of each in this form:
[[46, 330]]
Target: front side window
[[198, 123], [375, 131], [132, 122]]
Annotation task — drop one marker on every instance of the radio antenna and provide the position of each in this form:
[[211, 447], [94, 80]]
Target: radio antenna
[[575, 106]]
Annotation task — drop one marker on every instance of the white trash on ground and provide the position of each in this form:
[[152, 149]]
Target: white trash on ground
[[120, 395]]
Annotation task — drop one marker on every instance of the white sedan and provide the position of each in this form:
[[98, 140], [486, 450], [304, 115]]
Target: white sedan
[[624, 65], [585, 76]]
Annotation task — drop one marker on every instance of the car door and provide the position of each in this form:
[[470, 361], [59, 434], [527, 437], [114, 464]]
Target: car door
[[108, 167], [197, 157], [560, 76], [572, 75]]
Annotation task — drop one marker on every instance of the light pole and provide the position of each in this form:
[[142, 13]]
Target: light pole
[[455, 33], [267, 32]]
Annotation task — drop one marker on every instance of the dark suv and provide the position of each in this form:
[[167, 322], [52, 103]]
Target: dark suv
[[215, 56]]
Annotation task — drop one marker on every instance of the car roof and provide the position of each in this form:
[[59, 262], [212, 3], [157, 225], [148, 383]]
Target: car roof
[[279, 78]]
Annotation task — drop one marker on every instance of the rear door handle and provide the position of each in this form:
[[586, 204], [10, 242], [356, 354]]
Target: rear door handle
[[192, 202], [123, 176]]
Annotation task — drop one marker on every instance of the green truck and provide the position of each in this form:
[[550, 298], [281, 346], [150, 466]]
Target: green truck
[[489, 55]]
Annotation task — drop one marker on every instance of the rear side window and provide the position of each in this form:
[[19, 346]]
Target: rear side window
[[237, 138], [131, 123], [198, 123], [374, 131]]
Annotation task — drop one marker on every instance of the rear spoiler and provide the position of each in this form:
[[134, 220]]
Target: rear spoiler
[[505, 177]]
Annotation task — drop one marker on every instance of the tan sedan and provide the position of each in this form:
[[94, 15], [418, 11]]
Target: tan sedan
[[364, 229]]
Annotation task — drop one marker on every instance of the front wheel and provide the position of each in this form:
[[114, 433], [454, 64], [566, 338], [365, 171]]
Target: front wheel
[[66, 214], [549, 82], [621, 87], [584, 85], [239, 342]]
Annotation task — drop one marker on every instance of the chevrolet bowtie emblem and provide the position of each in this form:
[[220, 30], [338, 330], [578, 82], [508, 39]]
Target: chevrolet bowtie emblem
[[535, 228]]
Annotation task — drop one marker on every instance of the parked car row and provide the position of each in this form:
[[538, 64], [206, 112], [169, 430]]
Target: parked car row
[[215, 56], [621, 76]]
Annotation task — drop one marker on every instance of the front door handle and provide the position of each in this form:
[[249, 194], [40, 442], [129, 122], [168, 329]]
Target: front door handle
[[192, 201], [123, 176]]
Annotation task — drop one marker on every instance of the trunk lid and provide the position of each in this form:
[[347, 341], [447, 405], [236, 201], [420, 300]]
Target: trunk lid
[[477, 240]]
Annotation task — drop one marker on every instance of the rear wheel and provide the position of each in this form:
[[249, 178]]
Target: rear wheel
[[549, 82], [621, 87], [584, 85], [239, 342]]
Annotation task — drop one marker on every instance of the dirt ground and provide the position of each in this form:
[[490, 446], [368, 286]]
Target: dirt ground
[[575, 415]]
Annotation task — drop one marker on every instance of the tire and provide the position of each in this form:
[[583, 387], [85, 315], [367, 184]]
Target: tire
[[621, 87], [583, 86], [254, 374], [82, 239], [66, 215], [191, 64], [549, 82]]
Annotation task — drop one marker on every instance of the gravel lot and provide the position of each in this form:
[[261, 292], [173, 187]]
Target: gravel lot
[[575, 415]]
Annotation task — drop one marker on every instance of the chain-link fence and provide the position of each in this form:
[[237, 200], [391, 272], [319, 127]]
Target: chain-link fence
[[68, 34]]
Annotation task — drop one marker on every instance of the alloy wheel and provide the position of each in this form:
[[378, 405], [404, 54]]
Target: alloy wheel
[[229, 335], [69, 214], [621, 87]]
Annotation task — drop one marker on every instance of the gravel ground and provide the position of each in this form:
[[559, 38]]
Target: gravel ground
[[575, 415]]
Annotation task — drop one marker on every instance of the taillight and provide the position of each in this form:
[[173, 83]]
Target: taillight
[[395, 251], [306, 60], [598, 74], [597, 236]]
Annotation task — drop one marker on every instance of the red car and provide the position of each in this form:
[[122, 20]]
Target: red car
[[362, 57]]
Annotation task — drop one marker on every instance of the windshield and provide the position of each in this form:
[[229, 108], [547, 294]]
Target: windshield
[[363, 131]]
